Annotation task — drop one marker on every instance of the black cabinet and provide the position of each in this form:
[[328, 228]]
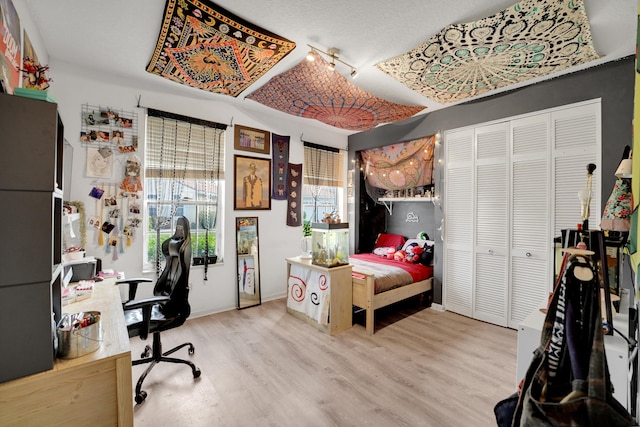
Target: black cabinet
[[32, 141]]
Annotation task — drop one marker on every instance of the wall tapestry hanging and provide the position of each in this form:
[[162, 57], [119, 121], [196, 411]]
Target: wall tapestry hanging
[[280, 160], [530, 39], [294, 198], [204, 46], [398, 166], [311, 90]]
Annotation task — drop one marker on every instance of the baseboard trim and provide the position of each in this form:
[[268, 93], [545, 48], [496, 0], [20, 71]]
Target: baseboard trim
[[437, 307]]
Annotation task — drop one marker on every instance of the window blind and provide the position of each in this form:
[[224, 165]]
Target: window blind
[[183, 147], [322, 165]]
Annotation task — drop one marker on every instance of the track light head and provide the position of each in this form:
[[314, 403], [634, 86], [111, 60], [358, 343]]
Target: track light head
[[332, 65], [311, 56], [353, 73]]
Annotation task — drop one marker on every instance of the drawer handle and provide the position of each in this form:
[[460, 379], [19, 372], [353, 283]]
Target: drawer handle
[[528, 254]]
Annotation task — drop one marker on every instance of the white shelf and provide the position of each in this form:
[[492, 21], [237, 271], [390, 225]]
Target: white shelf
[[389, 201]]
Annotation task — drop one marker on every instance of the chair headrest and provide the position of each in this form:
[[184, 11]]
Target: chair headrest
[[182, 228]]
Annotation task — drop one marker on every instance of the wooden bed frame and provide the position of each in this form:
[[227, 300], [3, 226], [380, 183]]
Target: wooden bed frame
[[365, 298]]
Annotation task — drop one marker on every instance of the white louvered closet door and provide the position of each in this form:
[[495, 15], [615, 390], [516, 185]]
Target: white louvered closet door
[[577, 142], [459, 225], [531, 239], [491, 290]]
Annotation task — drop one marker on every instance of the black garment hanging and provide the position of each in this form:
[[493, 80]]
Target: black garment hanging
[[567, 383]]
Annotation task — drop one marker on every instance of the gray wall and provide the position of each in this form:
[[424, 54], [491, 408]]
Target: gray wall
[[422, 213], [613, 82]]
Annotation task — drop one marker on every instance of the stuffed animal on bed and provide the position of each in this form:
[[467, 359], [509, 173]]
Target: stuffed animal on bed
[[391, 252], [413, 253], [399, 255], [426, 247]]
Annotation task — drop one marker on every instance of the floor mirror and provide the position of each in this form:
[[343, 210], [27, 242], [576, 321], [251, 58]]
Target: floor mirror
[[248, 262]]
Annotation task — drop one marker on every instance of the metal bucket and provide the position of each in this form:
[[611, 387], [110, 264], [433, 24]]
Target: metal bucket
[[77, 342]]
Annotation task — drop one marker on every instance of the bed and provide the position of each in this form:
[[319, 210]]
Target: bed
[[380, 280]]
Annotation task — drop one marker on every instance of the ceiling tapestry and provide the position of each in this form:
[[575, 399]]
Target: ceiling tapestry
[[206, 47], [530, 39], [313, 91]]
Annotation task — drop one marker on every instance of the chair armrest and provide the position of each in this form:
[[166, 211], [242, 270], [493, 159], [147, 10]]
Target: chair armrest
[[146, 304], [132, 305], [133, 285]]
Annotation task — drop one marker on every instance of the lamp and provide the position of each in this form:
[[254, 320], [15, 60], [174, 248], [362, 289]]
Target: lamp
[[332, 54], [624, 169], [618, 208]]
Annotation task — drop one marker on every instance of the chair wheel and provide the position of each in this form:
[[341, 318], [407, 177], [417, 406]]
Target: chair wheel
[[196, 373], [146, 352], [140, 397], [192, 349]]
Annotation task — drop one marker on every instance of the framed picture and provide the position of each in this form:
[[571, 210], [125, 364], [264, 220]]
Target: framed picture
[[250, 139], [252, 183]]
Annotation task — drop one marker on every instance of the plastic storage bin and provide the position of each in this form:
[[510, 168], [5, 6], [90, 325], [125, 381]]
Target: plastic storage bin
[[330, 243]]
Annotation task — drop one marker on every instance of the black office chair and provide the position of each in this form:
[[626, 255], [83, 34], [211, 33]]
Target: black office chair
[[167, 309]]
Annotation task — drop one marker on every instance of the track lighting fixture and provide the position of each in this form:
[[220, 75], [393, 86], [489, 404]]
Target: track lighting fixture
[[332, 54]]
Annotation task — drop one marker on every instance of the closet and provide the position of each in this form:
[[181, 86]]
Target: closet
[[510, 187]]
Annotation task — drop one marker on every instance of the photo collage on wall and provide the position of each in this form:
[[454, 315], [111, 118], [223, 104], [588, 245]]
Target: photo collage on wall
[[111, 139]]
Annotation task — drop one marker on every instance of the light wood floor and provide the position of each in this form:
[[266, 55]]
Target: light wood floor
[[264, 367]]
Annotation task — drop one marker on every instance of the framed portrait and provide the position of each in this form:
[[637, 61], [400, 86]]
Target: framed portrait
[[250, 139], [252, 183]]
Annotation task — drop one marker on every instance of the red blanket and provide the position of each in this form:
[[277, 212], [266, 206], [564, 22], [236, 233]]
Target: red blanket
[[418, 272]]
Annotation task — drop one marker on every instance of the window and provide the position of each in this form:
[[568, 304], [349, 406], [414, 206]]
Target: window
[[184, 175], [322, 191]]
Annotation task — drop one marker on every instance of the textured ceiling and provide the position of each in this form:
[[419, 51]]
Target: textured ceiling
[[118, 37]]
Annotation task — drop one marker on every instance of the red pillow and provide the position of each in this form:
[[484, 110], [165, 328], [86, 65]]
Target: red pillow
[[389, 240]]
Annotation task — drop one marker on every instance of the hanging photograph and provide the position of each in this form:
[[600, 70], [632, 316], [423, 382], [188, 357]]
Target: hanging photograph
[[252, 183], [250, 139], [99, 162]]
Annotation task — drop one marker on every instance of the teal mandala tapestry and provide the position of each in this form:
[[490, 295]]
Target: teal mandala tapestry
[[530, 39]]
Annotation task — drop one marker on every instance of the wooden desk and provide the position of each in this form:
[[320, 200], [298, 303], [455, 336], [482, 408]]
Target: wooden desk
[[94, 389]]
